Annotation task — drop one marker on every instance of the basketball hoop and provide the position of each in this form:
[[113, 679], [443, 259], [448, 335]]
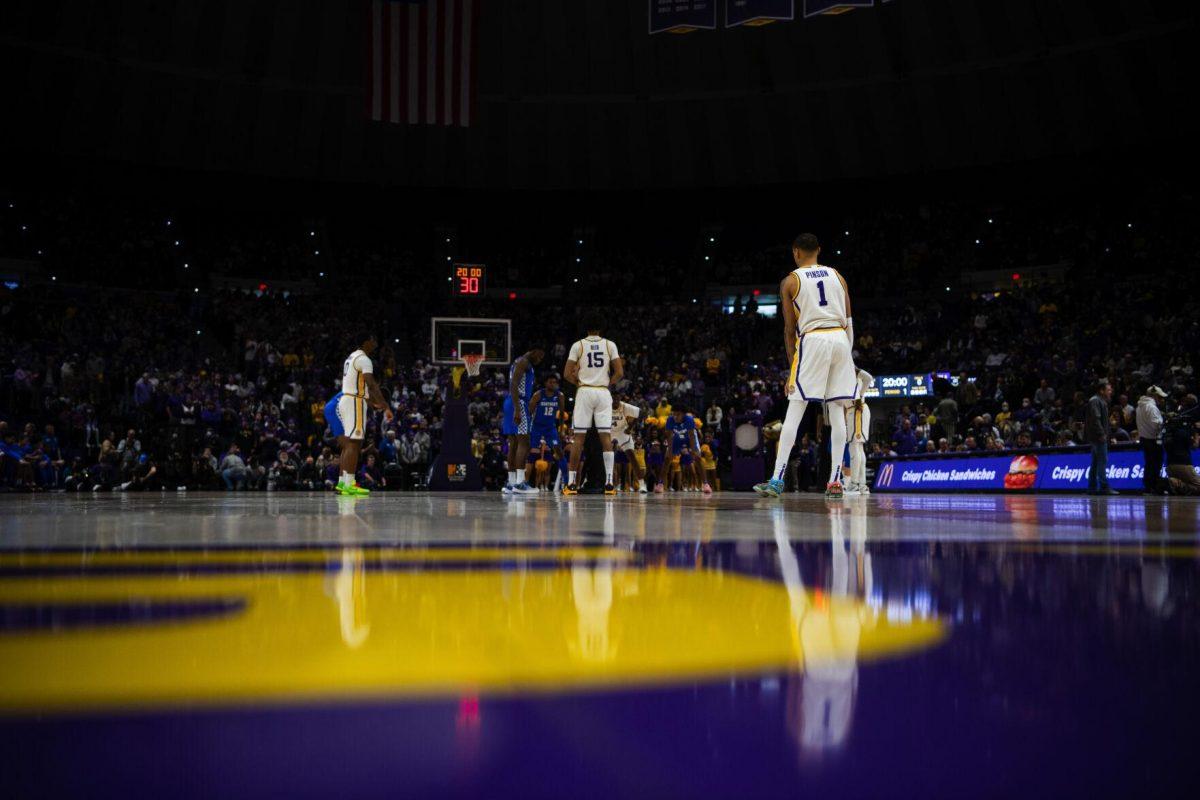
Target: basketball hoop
[[472, 362]]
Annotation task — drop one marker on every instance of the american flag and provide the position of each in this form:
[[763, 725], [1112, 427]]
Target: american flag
[[422, 61]]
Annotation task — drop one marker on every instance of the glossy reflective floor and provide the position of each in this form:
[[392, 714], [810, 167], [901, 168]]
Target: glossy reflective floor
[[467, 645]]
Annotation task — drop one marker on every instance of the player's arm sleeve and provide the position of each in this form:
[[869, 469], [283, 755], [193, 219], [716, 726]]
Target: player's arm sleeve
[[613, 354], [631, 411], [364, 365]]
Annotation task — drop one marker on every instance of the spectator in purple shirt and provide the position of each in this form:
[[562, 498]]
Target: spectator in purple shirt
[[904, 441]]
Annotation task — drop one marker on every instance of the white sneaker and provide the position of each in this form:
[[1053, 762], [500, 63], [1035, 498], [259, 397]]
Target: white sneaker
[[524, 488], [851, 490], [126, 485]]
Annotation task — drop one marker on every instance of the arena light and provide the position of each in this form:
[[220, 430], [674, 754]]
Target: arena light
[[1016, 276], [185, 265], [262, 287], [316, 252], [706, 258], [196, 290], [312, 233], [577, 259], [322, 275], [177, 243], [977, 241], [757, 292], [53, 277], [711, 240], [168, 223]]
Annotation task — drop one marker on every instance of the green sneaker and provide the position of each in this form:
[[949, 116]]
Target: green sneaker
[[348, 489], [771, 488], [358, 491]]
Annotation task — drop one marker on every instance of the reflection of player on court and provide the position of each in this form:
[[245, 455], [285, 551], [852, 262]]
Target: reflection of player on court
[[592, 591], [349, 589], [818, 338], [826, 628], [622, 413], [348, 419], [516, 423], [858, 429], [593, 364]]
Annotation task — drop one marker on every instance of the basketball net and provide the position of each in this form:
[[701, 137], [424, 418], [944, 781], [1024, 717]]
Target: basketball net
[[471, 365]]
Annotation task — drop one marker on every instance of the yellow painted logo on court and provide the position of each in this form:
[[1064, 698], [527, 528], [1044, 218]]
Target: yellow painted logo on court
[[573, 619]]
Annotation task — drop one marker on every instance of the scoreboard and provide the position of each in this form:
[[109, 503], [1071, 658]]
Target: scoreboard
[[468, 280]]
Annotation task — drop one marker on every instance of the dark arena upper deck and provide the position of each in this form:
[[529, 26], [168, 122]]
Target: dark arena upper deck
[[642, 399]]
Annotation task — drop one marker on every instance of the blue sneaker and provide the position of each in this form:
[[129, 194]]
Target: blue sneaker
[[772, 488], [508, 489], [524, 488]]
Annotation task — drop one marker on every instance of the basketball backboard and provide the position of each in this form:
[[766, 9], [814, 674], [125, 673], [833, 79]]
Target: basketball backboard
[[453, 337]]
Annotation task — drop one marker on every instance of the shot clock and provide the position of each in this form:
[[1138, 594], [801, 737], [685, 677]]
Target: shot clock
[[468, 280]]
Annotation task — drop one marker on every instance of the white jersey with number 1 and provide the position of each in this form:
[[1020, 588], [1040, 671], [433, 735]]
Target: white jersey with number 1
[[821, 299], [823, 365]]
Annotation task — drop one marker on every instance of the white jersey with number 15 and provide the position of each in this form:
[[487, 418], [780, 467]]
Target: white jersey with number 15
[[821, 299], [594, 355]]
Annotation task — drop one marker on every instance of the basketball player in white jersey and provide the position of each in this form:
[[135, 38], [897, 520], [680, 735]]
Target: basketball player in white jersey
[[818, 337], [359, 390], [858, 428], [622, 412], [593, 364]]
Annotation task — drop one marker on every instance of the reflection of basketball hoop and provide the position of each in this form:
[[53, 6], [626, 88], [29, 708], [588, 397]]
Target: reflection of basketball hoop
[[472, 362]]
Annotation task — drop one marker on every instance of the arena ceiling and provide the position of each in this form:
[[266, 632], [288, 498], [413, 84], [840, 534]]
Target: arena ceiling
[[577, 95]]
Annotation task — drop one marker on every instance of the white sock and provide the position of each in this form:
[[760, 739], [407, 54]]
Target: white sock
[[837, 443], [641, 483], [347, 478], [557, 480], [608, 466], [520, 476], [512, 477], [571, 477], [787, 436]]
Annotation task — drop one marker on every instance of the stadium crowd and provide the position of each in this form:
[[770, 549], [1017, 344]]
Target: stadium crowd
[[217, 385]]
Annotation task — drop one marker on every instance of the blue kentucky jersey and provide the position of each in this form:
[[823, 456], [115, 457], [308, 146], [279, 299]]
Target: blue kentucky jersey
[[682, 428], [546, 413], [526, 388]]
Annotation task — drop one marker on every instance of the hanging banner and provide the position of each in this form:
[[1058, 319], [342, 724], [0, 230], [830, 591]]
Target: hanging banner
[[758, 12], [814, 8], [682, 16]]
